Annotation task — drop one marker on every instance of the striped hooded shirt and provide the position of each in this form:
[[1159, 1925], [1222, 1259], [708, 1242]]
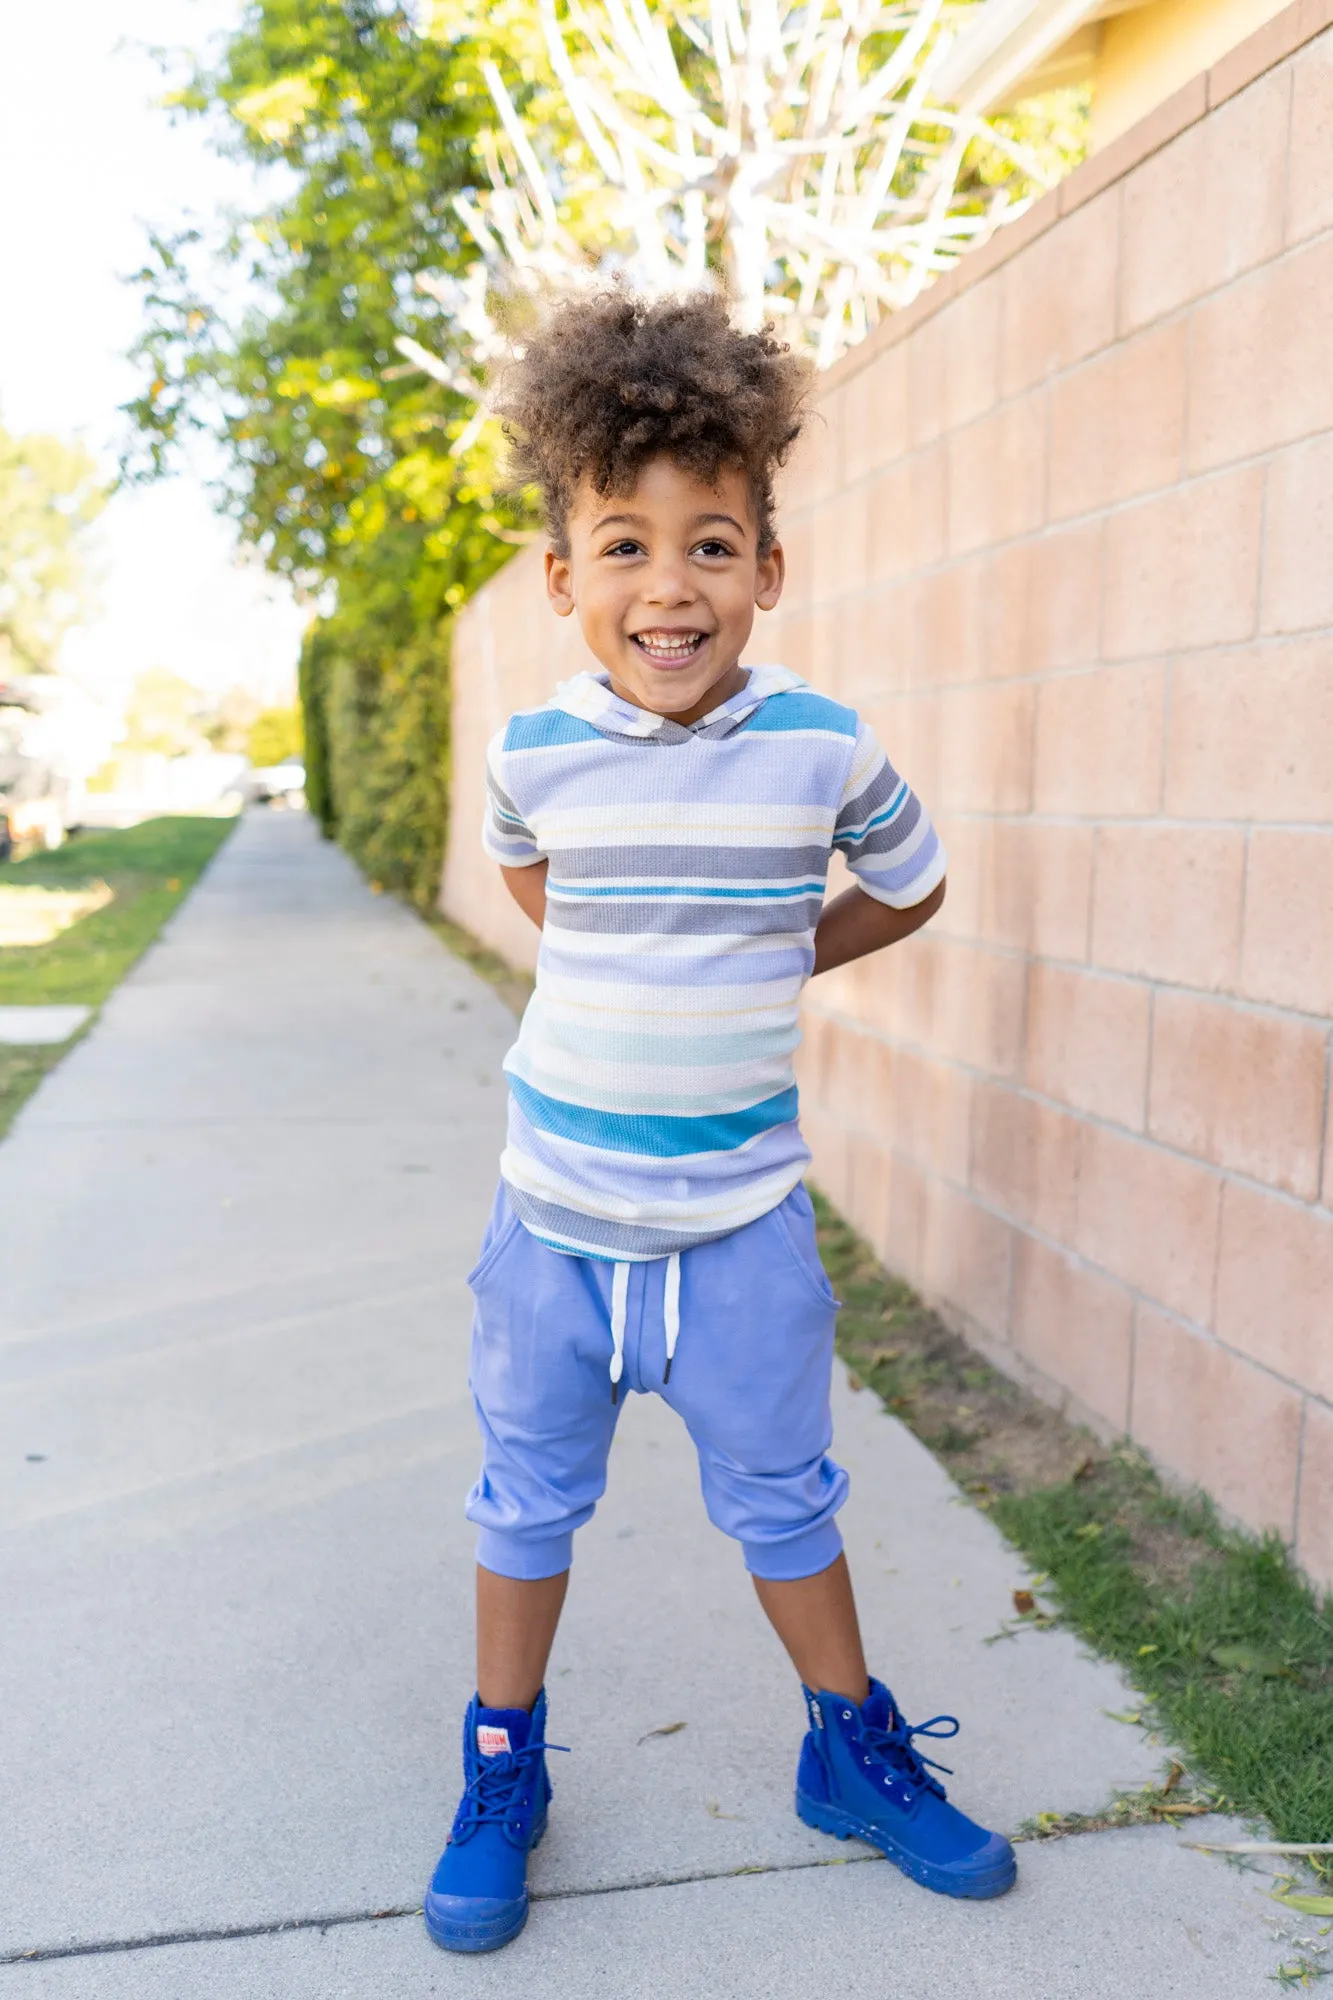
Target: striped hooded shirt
[[652, 1099]]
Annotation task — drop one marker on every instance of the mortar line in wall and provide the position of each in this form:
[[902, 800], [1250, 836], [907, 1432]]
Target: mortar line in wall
[[1261, 577], [1047, 528], [1135, 822], [1099, 608], [1267, 643], [1239, 959], [1148, 1063], [1300, 1469], [1135, 1293], [856, 360], [1215, 1275], [1239, 1002], [1323, 1130], [1315, 1207]]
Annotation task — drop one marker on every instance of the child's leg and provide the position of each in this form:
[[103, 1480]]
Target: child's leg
[[516, 1621], [815, 1618]]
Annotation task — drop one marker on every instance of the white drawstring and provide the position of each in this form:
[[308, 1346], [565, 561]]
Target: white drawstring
[[670, 1316], [671, 1310], [619, 1296]]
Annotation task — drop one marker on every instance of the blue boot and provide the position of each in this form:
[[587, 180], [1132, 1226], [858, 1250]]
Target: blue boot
[[478, 1897], [860, 1775]]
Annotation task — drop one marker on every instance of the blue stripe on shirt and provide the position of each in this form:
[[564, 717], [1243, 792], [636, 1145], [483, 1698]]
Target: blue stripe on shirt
[[658, 1136], [803, 711]]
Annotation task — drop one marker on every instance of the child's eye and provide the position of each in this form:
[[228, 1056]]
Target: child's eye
[[713, 547], [622, 549]]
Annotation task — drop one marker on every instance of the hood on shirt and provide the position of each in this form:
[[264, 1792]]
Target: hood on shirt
[[588, 696]]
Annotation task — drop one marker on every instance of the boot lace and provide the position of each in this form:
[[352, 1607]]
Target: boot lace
[[895, 1745], [488, 1795]]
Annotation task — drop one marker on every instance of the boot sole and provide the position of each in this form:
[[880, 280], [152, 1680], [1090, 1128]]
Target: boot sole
[[475, 1937], [978, 1888]]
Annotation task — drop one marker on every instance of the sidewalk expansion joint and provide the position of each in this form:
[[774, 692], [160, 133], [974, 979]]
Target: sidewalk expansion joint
[[340, 1919]]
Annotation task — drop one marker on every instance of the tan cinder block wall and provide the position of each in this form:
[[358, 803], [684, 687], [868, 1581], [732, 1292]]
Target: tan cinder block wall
[[1065, 536]]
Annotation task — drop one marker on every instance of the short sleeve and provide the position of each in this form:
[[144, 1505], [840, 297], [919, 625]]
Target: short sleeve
[[884, 830], [505, 834]]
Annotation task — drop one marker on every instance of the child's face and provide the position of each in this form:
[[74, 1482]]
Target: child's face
[[665, 581]]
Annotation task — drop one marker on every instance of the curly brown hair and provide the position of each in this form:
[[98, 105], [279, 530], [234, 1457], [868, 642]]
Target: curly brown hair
[[610, 381]]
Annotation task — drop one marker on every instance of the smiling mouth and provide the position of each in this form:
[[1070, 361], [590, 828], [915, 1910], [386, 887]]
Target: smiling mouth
[[669, 649]]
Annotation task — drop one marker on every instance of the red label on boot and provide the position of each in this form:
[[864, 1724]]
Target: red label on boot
[[492, 1742]]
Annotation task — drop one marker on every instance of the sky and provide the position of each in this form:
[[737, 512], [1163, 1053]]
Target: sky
[[85, 163]]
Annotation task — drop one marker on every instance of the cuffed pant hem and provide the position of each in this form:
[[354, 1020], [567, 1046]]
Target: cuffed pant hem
[[525, 1559], [801, 1555]]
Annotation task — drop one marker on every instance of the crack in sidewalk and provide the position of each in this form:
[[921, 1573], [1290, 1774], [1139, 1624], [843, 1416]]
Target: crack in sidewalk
[[340, 1919]]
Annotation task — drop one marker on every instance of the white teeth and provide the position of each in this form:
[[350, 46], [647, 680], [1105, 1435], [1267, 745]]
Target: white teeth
[[652, 642]]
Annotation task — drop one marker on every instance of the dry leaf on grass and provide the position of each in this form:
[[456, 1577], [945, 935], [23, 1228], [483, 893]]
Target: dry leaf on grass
[[1024, 1602]]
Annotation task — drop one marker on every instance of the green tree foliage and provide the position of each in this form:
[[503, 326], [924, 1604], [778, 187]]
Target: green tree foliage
[[275, 336], [274, 737], [49, 494]]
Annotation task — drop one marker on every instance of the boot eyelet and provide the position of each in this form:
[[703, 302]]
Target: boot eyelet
[[846, 1715]]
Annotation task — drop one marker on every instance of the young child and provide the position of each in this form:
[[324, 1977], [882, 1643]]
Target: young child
[[667, 821]]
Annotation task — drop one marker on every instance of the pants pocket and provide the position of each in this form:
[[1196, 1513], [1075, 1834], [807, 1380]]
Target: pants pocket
[[795, 1222], [501, 1230]]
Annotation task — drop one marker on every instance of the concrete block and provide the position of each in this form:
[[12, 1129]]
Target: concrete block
[[1167, 902], [1216, 1421], [1240, 1089], [1088, 1042], [1125, 1190], [1253, 729], [1274, 1283]]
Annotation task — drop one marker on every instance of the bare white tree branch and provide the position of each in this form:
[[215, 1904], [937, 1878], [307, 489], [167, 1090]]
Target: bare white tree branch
[[787, 151]]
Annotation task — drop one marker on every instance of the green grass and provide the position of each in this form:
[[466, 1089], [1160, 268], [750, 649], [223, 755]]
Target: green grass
[[150, 868], [1229, 1645]]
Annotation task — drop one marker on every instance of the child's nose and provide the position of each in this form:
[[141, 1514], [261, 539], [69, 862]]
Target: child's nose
[[669, 582]]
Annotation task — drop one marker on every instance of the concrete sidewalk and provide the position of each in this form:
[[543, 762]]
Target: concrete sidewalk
[[234, 1442]]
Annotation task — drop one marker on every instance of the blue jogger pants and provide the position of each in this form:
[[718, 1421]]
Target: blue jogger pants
[[750, 1377]]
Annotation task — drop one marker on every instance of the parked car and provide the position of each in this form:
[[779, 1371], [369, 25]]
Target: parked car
[[32, 792], [277, 784]]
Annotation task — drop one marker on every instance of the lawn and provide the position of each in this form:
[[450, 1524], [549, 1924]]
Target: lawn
[[149, 869]]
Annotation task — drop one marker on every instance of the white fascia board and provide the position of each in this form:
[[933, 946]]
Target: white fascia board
[[1008, 39]]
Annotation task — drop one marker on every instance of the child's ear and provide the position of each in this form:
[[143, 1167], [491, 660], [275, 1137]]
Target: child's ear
[[770, 574], [559, 583]]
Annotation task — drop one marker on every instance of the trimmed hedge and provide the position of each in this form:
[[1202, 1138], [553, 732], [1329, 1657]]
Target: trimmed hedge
[[376, 713]]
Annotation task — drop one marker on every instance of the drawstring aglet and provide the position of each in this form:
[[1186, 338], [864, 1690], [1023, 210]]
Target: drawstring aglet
[[666, 1372]]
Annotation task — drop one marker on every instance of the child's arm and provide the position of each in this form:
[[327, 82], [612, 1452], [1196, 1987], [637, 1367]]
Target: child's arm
[[854, 924], [527, 886]]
